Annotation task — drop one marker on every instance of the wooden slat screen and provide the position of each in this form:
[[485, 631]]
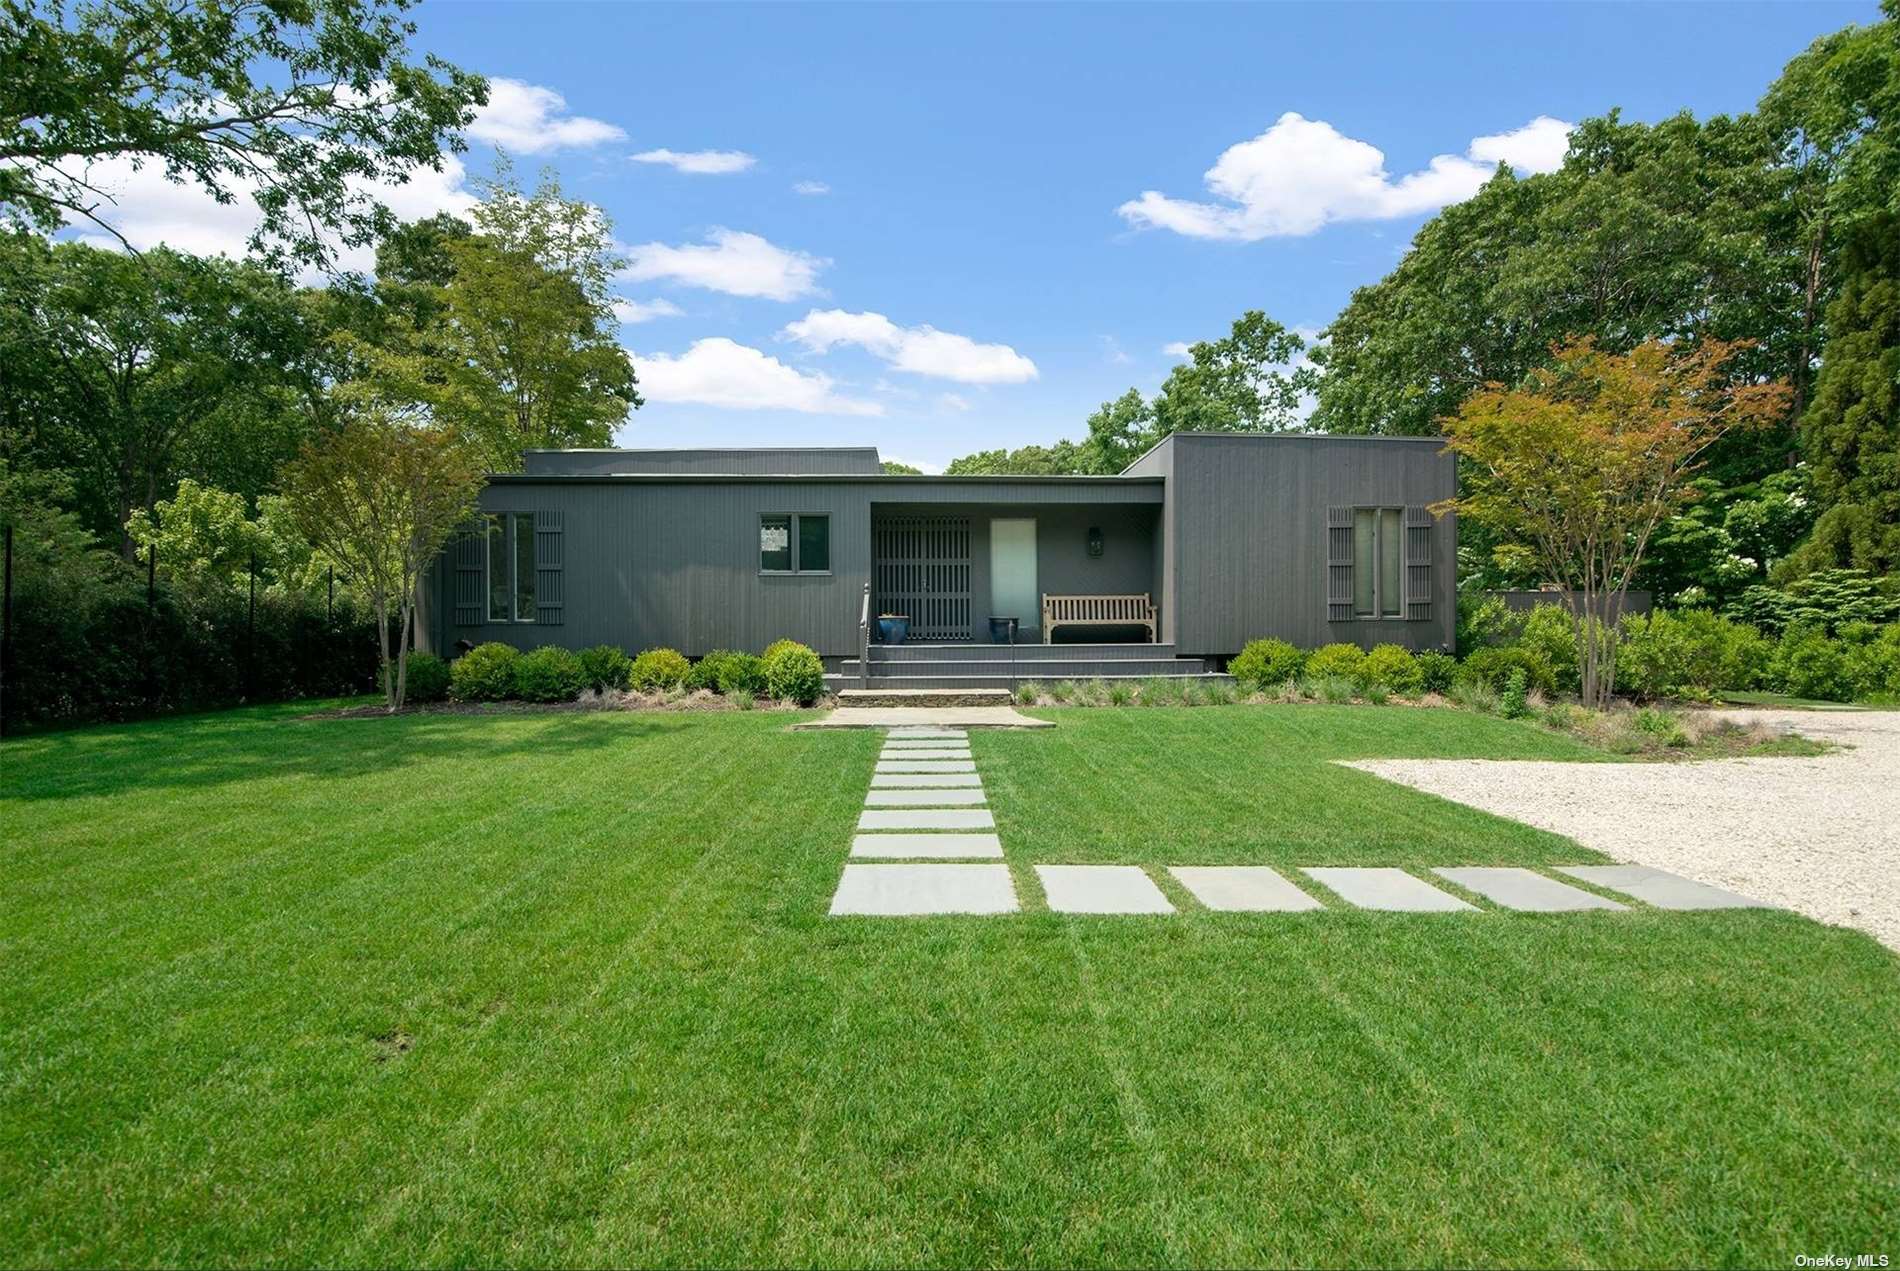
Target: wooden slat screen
[[922, 568], [1339, 564], [550, 603], [469, 594]]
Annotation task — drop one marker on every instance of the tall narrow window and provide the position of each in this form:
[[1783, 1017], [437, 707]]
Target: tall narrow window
[[499, 586], [775, 544], [1391, 547], [814, 544], [524, 566], [1365, 530], [510, 567]]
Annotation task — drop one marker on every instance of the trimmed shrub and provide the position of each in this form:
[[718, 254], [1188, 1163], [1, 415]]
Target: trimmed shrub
[[658, 669], [1436, 670], [549, 674], [427, 678], [1340, 660], [486, 673], [606, 667], [1266, 664], [726, 671], [1492, 667], [779, 646], [1393, 668], [1689, 653], [1808, 664], [793, 673], [1550, 631]]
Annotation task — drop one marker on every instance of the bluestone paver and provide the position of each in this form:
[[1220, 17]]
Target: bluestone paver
[[926, 734], [923, 798], [1525, 889], [1253, 888], [1386, 889], [923, 780], [925, 765], [935, 752], [927, 846], [1101, 889], [926, 743], [1660, 888], [926, 819], [900, 890]]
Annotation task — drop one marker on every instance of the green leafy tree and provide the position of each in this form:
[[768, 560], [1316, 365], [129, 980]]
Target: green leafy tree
[[380, 496], [518, 348], [892, 468], [1064, 459], [296, 104], [1247, 381]]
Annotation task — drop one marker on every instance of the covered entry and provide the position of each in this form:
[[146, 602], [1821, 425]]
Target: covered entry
[[921, 568]]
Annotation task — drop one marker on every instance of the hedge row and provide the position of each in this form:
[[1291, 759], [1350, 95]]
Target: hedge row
[[788, 671]]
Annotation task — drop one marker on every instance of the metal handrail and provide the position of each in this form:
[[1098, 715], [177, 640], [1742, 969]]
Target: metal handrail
[[864, 639]]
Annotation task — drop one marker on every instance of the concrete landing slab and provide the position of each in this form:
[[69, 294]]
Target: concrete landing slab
[[924, 765], [1660, 888], [922, 798], [1243, 888], [927, 846], [1101, 889], [913, 698], [924, 780], [903, 890], [1387, 889], [1525, 889], [926, 819], [928, 717]]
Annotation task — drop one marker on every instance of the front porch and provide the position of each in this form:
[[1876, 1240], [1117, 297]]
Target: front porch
[[951, 569]]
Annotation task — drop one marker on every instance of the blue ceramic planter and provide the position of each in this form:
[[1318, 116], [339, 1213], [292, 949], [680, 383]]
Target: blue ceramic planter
[[892, 629]]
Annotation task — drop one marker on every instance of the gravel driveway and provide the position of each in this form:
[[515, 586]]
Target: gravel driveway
[[1820, 836]]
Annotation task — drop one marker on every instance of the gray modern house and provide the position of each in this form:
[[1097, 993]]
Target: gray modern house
[[1204, 543]]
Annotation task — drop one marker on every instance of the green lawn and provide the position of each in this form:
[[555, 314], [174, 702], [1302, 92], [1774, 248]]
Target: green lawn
[[561, 989]]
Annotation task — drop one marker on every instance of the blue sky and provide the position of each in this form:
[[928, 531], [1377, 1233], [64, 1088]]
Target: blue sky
[[965, 269]]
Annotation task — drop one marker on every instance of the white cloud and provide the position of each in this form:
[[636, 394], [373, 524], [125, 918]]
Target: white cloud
[[531, 119], [810, 187], [703, 163], [631, 311], [928, 469], [920, 350], [719, 372], [1112, 350], [1302, 174], [953, 401], [1178, 348], [149, 210], [731, 261]]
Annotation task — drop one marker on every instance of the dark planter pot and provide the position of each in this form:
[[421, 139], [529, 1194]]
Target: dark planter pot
[[893, 630], [1002, 630]]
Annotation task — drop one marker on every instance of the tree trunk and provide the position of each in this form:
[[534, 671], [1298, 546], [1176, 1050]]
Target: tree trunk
[[382, 640], [402, 654]]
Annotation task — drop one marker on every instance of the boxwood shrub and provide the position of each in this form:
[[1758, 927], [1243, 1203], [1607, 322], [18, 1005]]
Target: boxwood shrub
[[427, 678], [659, 669], [728, 671], [1436, 670], [486, 673], [1492, 668], [794, 673], [1341, 660], [1393, 668], [549, 674], [606, 667], [1266, 664]]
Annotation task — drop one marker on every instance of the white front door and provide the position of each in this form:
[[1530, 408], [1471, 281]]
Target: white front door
[[1013, 591]]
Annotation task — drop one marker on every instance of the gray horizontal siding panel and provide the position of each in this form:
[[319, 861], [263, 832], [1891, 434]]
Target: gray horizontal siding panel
[[1246, 521]]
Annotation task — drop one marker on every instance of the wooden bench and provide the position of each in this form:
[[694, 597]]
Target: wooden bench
[[1096, 611]]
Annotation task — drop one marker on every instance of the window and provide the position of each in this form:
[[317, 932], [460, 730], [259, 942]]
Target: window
[[1378, 547], [510, 567], [794, 544]]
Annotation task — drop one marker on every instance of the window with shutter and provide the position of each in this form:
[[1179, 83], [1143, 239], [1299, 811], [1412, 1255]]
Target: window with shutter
[[467, 555], [549, 569], [1418, 564], [1339, 570]]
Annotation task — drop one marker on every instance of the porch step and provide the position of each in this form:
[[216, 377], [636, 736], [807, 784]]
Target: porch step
[[964, 685], [1070, 668], [934, 695], [934, 653]]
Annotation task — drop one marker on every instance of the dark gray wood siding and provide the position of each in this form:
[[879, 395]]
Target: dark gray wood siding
[[1246, 524]]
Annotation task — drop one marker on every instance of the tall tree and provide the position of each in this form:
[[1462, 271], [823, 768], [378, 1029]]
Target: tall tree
[[1581, 464], [519, 347], [1249, 380], [298, 104], [380, 496]]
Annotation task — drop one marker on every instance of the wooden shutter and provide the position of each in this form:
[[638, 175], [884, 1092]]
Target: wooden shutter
[[549, 574], [470, 597], [1339, 564], [1418, 564]]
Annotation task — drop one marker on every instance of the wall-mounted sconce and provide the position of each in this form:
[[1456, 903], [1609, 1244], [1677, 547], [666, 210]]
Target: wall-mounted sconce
[[1095, 540]]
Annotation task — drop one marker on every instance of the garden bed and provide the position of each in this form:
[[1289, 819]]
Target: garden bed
[[610, 700]]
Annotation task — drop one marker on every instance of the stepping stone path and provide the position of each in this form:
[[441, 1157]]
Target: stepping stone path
[[924, 802], [927, 844]]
